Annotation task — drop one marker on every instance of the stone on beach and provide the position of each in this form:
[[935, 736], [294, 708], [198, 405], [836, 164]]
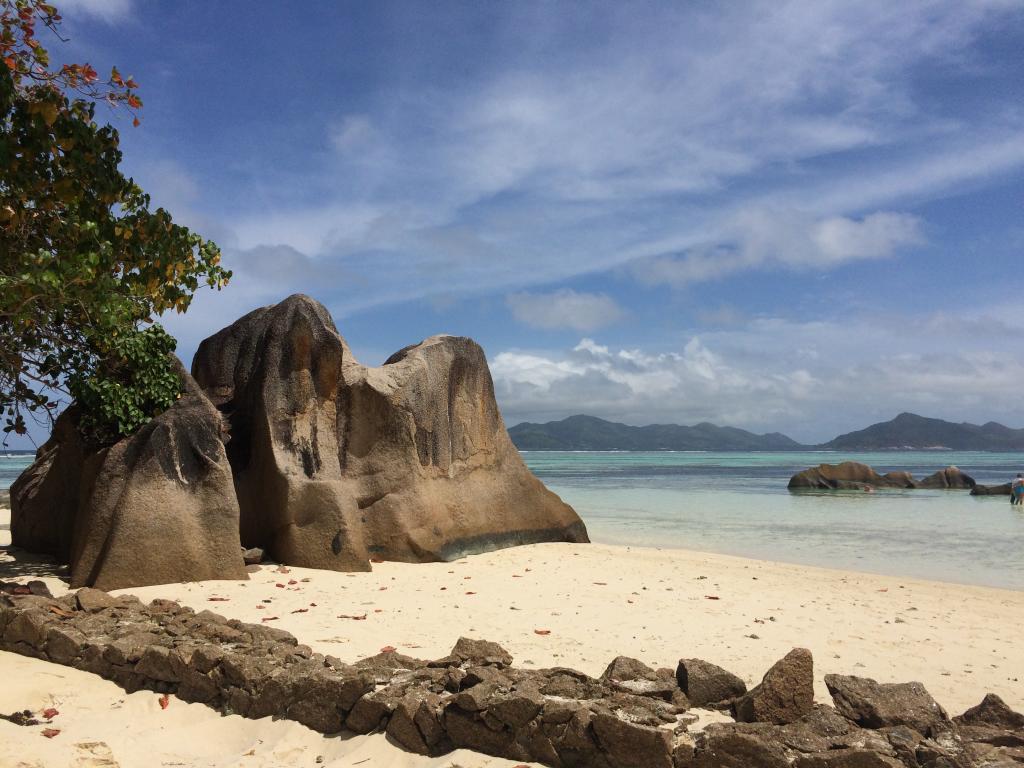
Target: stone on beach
[[784, 695], [157, 507], [335, 462], [880, 705], [312, 459], [706, 684]]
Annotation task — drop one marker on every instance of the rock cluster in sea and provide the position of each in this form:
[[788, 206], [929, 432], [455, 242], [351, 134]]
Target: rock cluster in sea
[[854, 476], [632, 716], [283, 442]]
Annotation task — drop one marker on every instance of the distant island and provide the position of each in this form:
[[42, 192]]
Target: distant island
[[908, 431]]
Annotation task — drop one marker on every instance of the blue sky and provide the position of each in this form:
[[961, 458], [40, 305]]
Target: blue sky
[[795, 216]]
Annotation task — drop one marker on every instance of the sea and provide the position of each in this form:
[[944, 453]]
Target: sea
[[738, 504]]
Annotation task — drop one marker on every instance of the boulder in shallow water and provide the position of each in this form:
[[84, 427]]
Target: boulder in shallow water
[[950, 477], [335, 462], [849, 475], [991, 490]]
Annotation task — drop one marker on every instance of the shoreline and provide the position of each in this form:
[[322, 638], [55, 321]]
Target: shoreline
[[597, 601], [600, 601]]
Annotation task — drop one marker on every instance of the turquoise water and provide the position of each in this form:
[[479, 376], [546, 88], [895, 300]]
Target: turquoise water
[[11, 467], [737, 504]]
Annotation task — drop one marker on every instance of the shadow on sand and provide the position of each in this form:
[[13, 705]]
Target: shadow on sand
[[16, 563]]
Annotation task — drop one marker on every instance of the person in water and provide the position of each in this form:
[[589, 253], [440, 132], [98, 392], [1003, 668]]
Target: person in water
[[1017, 490]]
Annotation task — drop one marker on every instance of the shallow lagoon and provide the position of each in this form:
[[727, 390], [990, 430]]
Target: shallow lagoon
[[738, 504]]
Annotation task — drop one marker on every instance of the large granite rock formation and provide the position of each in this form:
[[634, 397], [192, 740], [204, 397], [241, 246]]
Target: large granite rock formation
[[335, 463], [849, 475], [153, 508], [44, 497], [854, 476], [160, 505]]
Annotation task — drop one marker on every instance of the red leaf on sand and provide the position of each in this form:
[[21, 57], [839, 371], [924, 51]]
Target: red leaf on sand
[[279, 585], [269, 618], [471, 593], [443, 588], [711, 597], [601, 583], [542, 631], [388, 649], [886, 589], [292, 581], [50, 732], [300, 610], [516, 576], [50, 713], [218, 599], [164, 701], [261, 607], [382, 589]]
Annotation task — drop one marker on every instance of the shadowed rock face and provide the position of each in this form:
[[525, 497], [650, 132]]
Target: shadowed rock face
[[160, 504], [44, 498], [335, 462], [154, 508]]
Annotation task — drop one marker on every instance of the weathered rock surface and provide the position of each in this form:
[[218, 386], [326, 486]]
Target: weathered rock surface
[[784, 695], [473, 697], [992, 490], [852, 475], [950, 477], [44, 498], [335, 462], [879, 705], [849, 475], [706, 684], [154, 508]]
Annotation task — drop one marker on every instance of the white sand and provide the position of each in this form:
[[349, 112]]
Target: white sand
[[598, 602]]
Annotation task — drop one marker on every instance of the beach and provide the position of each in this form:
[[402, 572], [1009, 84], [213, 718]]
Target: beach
[[596, 601]]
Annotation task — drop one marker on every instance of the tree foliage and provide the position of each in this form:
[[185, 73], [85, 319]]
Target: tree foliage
[[85, 265]]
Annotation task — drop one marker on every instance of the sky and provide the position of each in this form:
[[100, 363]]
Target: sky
[[793, 216]]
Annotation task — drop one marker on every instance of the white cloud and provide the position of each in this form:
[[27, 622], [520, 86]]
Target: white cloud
[[109, 11], [565, 309], [581, 163], [811, 380], [760, 238]]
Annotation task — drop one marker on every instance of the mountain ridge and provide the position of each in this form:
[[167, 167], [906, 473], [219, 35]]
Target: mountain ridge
[[906, 431]]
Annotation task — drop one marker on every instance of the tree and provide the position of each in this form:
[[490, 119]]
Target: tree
[[85, 265]]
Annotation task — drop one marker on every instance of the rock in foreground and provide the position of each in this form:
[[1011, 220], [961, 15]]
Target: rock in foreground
[[477, 699], [154, 508], [312, 459], [335, 462]]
